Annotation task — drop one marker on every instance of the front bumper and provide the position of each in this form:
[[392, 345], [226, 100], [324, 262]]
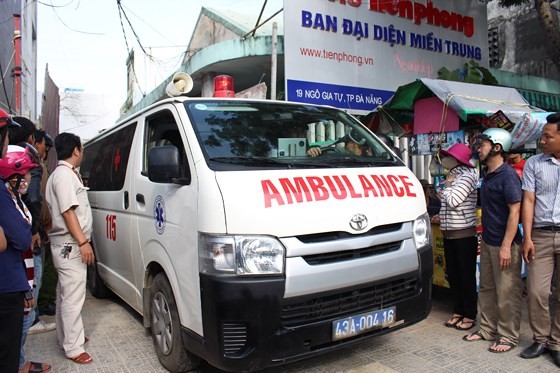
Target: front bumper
[[249, 325]]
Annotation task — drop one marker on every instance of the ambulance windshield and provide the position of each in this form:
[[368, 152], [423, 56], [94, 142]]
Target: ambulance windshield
[[283, 135]]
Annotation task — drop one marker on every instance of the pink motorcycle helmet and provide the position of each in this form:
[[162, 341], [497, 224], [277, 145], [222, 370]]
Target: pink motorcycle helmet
[[16, 161]]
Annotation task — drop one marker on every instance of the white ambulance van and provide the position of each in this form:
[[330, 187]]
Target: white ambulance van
[[254, 233]]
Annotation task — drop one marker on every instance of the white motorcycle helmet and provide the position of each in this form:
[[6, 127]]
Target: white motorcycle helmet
[[498, 136]]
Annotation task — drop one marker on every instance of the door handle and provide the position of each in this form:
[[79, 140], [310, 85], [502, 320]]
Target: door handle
[[126, 200], [140, 198]]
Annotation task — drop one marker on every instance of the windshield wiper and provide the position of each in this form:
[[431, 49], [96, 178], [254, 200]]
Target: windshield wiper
[[366, 162], [270, 161], [246, 159]]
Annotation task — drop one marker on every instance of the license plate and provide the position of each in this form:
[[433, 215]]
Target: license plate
[[354, 325]]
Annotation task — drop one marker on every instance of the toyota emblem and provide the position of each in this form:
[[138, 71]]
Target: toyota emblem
[[358, 222]]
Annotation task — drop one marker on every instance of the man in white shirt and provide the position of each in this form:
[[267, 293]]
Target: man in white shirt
[[71, 251]]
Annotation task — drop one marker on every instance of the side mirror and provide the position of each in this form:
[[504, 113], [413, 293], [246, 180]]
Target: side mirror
[[164, 165]]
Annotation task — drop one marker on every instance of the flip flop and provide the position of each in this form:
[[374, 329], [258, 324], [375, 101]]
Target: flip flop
[[82, 358], [477, 334], [35, 367], [459, 327], [453, 322], [502, 343]]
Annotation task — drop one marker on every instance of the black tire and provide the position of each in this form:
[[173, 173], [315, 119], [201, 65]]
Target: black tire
[[166, 328], [95, 284]]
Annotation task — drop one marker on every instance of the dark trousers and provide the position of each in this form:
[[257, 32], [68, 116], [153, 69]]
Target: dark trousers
[[460, 264], [11, 325]]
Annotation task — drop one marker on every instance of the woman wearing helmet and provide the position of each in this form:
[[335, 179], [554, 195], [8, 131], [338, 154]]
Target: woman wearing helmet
[[14, 172], [13, 279]]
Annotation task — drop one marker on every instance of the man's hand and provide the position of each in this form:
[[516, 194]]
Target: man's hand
[[314, 151], [435, 219], [35, 240], [505, 256], [87, 254], [29, 303], [528, 250]]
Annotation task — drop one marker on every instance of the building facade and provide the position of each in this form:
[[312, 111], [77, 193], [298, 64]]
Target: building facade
[[18, 57]]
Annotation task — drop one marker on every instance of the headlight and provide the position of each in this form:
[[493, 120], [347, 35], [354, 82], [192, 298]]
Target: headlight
[[240, 255], [422, 231]]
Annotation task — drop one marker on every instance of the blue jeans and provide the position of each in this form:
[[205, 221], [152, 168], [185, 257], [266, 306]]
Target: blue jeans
[[33, 316], [27, 323], [38, 264]]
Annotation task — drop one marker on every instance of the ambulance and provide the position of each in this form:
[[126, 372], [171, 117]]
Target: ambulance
[[253, 233]]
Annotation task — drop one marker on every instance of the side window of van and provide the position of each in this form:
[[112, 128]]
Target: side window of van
[[105, 161], [161, 130]]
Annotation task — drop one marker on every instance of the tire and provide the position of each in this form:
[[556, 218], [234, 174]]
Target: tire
[[166, 328], [96, 286]]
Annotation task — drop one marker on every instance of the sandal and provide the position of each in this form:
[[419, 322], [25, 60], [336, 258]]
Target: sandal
[[459, 325], [33, 367], [454, 320], [477, 334], [501, 343], [82, 358]]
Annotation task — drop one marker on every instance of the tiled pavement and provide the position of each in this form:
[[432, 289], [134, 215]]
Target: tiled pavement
[[119, 343]]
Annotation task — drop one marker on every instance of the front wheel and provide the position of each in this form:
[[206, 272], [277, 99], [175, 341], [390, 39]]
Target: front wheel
[[166, 328]]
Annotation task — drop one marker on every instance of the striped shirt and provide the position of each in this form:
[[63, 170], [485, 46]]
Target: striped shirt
[[458, 202], [541, 176], [28, 254]]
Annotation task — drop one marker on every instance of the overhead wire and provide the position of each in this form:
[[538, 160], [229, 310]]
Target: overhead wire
[[128, 48], [121, 10], [149, 25], [55, 6], [162, 64], [70, 28]]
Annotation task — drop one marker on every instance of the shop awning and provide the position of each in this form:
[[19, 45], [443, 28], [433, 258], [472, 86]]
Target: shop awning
[[464, 98]]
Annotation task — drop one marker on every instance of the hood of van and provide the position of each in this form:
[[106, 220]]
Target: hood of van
[[286, 203]]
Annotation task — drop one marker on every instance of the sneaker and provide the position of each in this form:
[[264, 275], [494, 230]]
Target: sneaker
[[42, 327]]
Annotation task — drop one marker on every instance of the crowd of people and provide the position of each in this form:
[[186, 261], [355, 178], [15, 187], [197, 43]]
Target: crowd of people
[[40, 213], [51, 212], [513, 191]]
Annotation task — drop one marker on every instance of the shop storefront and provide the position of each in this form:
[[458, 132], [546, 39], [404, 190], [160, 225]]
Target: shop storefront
[[431, 115]]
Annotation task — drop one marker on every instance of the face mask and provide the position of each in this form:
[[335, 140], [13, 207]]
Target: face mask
[[23, 187]]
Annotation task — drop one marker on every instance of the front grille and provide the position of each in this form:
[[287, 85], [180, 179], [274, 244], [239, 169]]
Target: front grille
[[340, 256], [335, 236], [234, 337], [349, 302]]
